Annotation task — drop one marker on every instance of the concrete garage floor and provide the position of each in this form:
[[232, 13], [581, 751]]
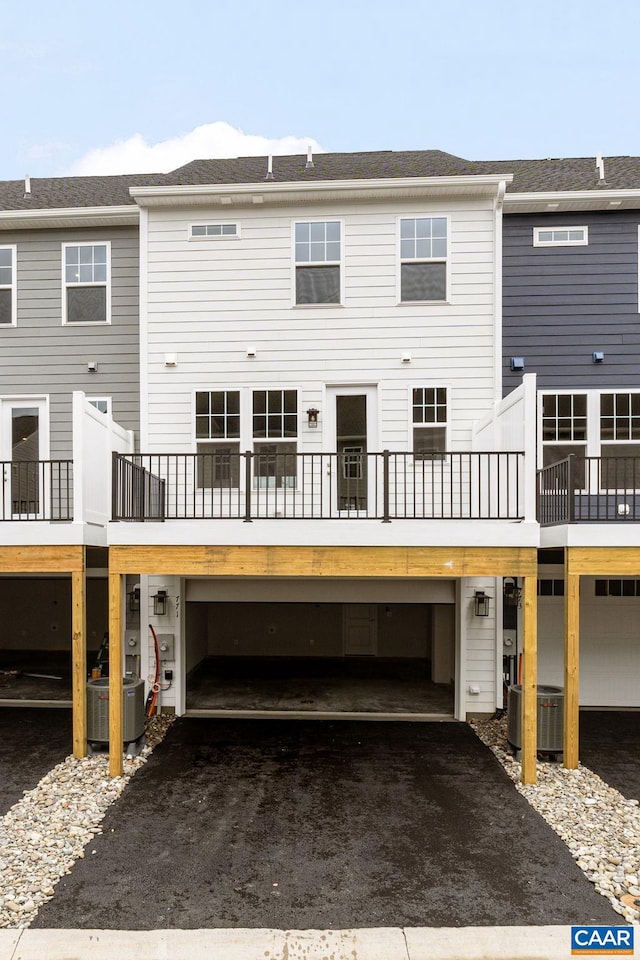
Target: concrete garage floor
[[610, 746], [322, 824], [32, 742], [35, 689], [320, 684]]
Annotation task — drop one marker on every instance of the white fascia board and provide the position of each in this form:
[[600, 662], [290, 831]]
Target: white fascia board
[[69, 217], [593, 199], [276, 192]]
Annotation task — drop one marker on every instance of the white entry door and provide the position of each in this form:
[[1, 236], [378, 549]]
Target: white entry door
[[360, 629], [352, 435], [24, 444]]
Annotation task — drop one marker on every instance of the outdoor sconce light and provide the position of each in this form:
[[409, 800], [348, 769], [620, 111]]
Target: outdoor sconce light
[[517, 363], [312, 417], [481, 604], [512, 592], [160, 603], [597, 356], [134, 599]]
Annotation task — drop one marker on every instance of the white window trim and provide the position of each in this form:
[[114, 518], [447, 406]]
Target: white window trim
[[324, 263], [561, 243], [13, 286], [107, 284], [411, 425], [215, 238], [400, 260]]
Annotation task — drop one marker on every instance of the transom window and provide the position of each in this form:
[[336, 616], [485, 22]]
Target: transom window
[[564, 417], [200, 230], [560, 236], [275, 413], [429, 406], [317, 258], [8, 286], [620, 416], [423, 259], [217, 414], [86, 290]]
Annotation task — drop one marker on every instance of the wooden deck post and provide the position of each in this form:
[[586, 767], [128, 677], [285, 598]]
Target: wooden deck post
[[530, 680], [116, 722], [571, 664], [79, 659]]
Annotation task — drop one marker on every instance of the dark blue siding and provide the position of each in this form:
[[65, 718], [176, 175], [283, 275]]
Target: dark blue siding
[[562, 303]]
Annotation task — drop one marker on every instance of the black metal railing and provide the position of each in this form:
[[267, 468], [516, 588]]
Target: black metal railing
[[36, 490], [320, 486], [137, 494], [589, 490]]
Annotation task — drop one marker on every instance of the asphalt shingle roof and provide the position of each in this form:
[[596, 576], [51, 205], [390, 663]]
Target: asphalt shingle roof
[[530, 176]]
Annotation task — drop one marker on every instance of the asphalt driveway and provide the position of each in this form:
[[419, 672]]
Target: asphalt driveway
[[32, 741], [301, 824], [610, 746]]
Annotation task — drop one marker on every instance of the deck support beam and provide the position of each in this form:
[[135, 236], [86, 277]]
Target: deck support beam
[[79, 661], [529, 725], [571, 665], [116, 720]]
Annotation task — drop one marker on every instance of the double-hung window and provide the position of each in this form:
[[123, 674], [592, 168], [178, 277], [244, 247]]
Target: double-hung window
[[620, 440], [429, 409], [218, 438], [318, 262], [275, 433], [8, 306], [564, 430], [86, 287], [423, 259]]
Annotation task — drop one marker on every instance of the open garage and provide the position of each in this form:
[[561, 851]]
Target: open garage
[[338, 647]]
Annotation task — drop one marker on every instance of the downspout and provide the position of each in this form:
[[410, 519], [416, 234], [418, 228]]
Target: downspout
[[497, 290]]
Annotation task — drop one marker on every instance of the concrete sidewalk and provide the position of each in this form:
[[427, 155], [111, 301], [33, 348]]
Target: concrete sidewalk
[[383, 943]]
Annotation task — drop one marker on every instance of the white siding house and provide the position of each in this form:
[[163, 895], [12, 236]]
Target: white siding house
[[292, 330]]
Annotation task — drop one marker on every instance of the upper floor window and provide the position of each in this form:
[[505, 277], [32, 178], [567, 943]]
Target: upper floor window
[[423, 259], [8, 305], [317, 259], [560, 236], [200, 231], [429, 406], [86, 285]]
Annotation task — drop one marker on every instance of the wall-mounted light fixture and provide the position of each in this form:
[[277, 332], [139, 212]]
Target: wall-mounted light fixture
[[160, 603], [481, 604], [597, 356], [512, 592], [517, 363], [312, 417], [134, 599]]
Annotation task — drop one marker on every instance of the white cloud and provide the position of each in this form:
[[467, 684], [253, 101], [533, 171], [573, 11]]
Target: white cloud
[[217, 139]]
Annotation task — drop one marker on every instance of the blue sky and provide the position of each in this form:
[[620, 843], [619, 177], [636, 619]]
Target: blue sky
[[123, 85]]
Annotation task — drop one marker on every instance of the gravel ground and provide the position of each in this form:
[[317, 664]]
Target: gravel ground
[[600, 827], [46, 831]]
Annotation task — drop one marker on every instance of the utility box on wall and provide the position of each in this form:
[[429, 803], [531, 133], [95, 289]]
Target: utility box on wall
[[166, 646]]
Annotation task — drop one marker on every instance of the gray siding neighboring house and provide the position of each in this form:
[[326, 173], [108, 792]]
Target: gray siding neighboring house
[[562, 303], [41, 355]]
